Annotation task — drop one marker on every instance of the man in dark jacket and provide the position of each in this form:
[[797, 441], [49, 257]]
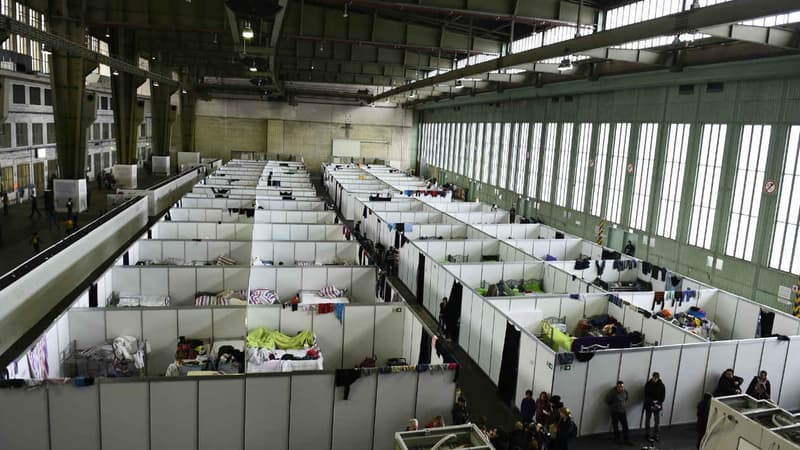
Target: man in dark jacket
[[654, 393], [460, 413], [527, 407], [617, 401], [729, 384]]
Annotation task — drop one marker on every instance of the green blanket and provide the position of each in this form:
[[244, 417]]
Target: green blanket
[[559, 341], [274, 339]]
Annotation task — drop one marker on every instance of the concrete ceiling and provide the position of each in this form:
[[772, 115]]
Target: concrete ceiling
[[378, 43]]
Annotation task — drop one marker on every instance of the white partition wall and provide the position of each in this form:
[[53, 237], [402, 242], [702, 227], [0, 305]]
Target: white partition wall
[[256, 411]]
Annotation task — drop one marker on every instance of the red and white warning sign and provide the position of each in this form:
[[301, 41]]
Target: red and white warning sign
[[770, 187]]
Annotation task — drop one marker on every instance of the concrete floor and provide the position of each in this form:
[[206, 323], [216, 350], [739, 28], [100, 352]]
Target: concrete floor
[[18, 227]]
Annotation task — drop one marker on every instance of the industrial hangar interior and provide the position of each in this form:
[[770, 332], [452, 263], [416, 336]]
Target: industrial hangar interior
[[244, 215]]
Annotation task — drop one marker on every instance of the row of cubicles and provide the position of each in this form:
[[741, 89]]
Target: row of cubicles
[[244, 241], [445, 245]]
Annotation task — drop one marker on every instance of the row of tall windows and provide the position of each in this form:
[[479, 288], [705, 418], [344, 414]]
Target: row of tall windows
[[585, 166]]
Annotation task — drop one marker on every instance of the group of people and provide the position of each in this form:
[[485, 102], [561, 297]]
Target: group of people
[[548, 424]]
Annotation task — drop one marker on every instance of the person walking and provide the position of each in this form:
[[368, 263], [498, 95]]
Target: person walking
[[759, 387], [654, 394], [34, 205], [617, 401], [35, 242], [442, 310], [527, 408]]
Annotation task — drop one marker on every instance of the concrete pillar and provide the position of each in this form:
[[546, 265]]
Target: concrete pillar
[[163, 113], [128, 110], [188, 118], [71, 108]]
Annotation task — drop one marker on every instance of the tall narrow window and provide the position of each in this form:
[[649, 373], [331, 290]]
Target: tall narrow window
[[564, 159], [643, 178], [709, 169], [548, 162], [581, 166], [505, 148], [747, 191], [522, 158], [451, 145], [478, 152], [672, 180], [486, 152], [438, 145], [535, 152], [496, 130], [603, 134], [513, 155], [469, 151], [616, 182], [463, 152], [785, 254]]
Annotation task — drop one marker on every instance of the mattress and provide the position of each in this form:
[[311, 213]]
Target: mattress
[[258, 361], [143, 301], [313, 298]]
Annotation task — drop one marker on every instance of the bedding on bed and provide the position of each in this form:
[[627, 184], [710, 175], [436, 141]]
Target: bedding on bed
[[224, 298], [308, 298], [263, 297], [509, 288], [135, 301], [273, 351]]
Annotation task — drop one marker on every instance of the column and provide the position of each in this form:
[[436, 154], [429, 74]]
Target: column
[[128, 111]]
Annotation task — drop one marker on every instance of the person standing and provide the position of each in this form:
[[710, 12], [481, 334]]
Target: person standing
[[35, 242], [544, 409], [50, 208], [703, 409], [69, 207], [759, 387], [460, 412], [617, 401], [512, 215], [34, 205], [5, 203], [629, 249], [654, 394], [527, 408], [566, 429], [442, 310]]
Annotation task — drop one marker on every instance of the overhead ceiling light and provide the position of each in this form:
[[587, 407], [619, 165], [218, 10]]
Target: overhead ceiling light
[[155, 83], [184, 91], [153, 57], [345, 15], [683, 37], [565, 65], [115, 72], [413, 94], [108, 33], [253, 68], [247, 31], [216, 39]]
